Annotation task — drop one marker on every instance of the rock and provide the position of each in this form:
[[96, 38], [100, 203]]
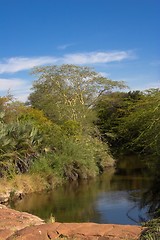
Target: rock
[[14, 195], [11, 221], [88, 231], [10, 195], [16, 225], [4, 197]]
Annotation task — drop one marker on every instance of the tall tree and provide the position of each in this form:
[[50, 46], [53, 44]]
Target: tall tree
[[112, 108], [131, 121], [68, 92]]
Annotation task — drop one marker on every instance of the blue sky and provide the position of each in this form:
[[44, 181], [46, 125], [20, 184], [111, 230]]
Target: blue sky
[[119, 38]]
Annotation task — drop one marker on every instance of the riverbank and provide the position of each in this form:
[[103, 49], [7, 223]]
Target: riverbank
[[23, 226], [21, 185]]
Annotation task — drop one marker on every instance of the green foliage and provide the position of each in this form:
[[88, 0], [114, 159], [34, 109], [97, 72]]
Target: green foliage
[[21, 139], [67, 92], [143, 124], [152, 231], [18, 147], [75, 160], [43, 165], [56, 135], [33, 143], [151, 196], [111, 109], [131, 121], [71, 128]]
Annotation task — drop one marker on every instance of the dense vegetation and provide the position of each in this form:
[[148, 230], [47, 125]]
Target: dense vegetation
[[72, 115], [130, 122], [55, 133]]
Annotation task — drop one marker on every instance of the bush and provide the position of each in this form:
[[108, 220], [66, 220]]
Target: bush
[[80, 158], [19, 144]]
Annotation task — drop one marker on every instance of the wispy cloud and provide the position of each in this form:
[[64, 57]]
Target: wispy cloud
[[19, 88], [64, 46], [141, 82], [16, 64], [151, 85], [14, 83], [21, 95], [97, 57]]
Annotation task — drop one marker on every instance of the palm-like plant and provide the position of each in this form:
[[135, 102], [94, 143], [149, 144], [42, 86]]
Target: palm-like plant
[[19, 146]]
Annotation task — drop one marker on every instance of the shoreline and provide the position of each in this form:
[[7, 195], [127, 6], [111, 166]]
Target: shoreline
[[21, 185]]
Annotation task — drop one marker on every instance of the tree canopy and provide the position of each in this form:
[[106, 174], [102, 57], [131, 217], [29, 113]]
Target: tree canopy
[[68, 92], [131, 121]]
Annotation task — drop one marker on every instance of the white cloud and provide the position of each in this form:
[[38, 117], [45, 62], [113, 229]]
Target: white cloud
[[140, 82], [96, 57], [64, 46], [151, 85], [21, 95], [16, 64], [19, 88], [14, 83]]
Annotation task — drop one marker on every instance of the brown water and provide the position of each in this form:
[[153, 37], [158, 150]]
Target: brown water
[[113, 197]]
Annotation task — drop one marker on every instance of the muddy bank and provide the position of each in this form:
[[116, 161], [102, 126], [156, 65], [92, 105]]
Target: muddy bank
[[23, 226]]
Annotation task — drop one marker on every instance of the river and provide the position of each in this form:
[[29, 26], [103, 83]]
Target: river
[[113, 197]]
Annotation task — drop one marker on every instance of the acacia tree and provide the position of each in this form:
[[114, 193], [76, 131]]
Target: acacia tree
[[68, 92], [148, 112], [131, 121], [113, 109]]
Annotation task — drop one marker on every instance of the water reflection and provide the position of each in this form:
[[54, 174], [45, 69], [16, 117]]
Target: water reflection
[[113, 197], [151, 196]]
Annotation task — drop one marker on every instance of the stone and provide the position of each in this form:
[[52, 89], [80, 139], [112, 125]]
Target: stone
[[4, 197], [16, 225]]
